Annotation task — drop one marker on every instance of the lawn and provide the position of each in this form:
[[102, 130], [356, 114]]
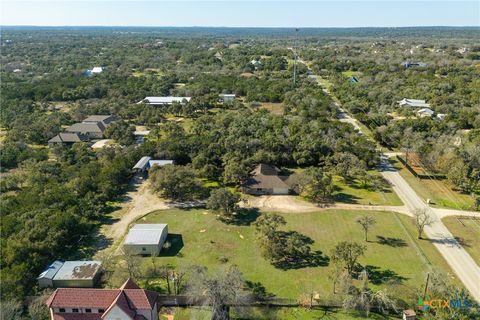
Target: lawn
[[351, 73], [199, 238], [200, 313], [467, 231], [437, 190], [275, 108]]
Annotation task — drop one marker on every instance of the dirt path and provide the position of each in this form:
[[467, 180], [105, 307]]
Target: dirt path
[[139, 201], [295, 204]]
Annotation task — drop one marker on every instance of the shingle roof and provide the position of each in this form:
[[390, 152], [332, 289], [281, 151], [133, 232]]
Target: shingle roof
[[266, 177], [95, 127], [105, 119], [68, 137]]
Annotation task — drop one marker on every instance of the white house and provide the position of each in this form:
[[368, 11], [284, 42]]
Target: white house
[[161, 101], [415, 103], [146, 239], [425, 112], [227, 97]]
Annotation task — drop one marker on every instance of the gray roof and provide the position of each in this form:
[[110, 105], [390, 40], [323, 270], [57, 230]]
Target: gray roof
[[152, 163], [413, 103], [166, 100], [94, 127], [105, 119], [68, 137], [74, 270], [51, 270], [145, 234], [142, 164], [266, 177]]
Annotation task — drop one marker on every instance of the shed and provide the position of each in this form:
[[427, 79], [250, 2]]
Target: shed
[[146, 239], [227, 97], [409, 314], [78, 274], [45, 279], [159, 163], [142, 164]]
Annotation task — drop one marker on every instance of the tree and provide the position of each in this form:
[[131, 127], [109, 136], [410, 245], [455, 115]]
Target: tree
[[221, 290], [347, 253], [366, 222], [422, 219], [10, 310], [37, 309], [268, 223], [132, 264], [175, 182], [121, 132], [225, 202], [318, 185]]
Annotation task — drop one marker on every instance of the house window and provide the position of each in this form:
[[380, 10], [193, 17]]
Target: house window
[[101, 310], [61, 310], [88, 310], [75, 310], [144, 249]]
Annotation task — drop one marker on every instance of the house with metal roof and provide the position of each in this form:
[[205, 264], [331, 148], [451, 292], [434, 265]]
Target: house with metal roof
[[425, 112], [45, 279], [162, 101], [67, 138], [129, 302], [414, 103], [227, 97], [145, 239], [146, 163], [93, 130]]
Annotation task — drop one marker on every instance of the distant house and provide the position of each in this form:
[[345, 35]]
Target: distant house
[[129, 302], [425, 112], [162, 101], [95, 70], [146, 239], [265, 179], [104, 119], [93, 130], [146, 163], [414, 103], [256, 63], [408, 64], [226, 97], [82, 274], [67, 138], [441, 116]]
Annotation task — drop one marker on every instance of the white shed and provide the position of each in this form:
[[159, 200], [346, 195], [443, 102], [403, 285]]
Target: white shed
[[146, 239]]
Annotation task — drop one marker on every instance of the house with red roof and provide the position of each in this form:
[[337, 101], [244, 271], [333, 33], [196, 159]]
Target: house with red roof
[[127, 303]]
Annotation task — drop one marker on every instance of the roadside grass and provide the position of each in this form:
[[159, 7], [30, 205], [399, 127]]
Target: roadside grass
[[467, 232], [201, 239], [204, 313], [436, 190]]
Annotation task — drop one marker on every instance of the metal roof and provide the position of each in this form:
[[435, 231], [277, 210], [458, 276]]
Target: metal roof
[[51, 270], [75, 270], [142, 163], [166, 100], [160, 163], [145, 234]]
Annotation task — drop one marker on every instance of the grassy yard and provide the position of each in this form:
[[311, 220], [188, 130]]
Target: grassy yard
[[351, 73], [275, 108], [197, 237], [467, 231], [437, 190], [199, 313]]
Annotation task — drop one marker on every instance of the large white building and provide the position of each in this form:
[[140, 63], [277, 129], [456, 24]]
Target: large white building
[[161, 101], [146, 239]]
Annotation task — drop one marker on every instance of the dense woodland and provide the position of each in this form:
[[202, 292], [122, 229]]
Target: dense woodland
[[54, 199]]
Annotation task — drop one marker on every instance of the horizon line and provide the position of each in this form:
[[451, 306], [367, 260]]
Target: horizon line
[[241, 27]]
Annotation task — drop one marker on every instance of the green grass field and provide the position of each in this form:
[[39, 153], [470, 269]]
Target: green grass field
[[351, 73], [198, 238], [437, 190], [467, 231]]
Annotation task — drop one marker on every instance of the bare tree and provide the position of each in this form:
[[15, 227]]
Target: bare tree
[[220, 291], [366, 222], [10, 310], [132, 264], [422, 219]]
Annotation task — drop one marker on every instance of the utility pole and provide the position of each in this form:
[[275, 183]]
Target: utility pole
[[295, 58]]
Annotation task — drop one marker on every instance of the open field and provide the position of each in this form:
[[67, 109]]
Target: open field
[[437, 190], [351, 73], [275, 108], [199, 313], [197, 237], [467, 232]]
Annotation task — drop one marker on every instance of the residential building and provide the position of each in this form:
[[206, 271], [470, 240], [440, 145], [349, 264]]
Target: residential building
[[104, 119], [425, 112], [93, 130], [129, 302], [67, 138], [146, 163], [82, 274], [95, 70], [145, 239], [265, 179], [414, 103], [162, 101], [227, 97]]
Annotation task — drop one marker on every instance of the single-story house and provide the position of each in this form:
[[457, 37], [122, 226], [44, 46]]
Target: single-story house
[[67, 138], [425, 112], [104, 119], [82, 274], [227, 97], [265, 179], [129, 302], [146, 239], [93, 130], [414, 103], [162, 101], [45, 279]]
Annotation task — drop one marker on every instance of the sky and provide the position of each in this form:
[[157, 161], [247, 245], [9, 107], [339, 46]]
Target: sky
[[230, 13]]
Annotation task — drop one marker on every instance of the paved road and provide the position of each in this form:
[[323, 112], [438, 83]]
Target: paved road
[[455, 255]]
